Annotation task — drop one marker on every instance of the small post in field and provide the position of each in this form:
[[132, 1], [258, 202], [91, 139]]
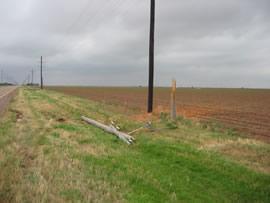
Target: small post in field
[[173, 104]]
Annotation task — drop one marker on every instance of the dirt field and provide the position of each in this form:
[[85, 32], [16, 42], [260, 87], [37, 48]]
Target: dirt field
[[6, 94], [246, 110]]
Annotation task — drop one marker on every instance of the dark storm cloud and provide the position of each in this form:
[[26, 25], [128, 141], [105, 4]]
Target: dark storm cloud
[[222, 43]]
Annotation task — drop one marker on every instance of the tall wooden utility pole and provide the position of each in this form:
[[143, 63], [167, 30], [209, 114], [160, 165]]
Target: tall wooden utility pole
[[41, 77], [151, 57]]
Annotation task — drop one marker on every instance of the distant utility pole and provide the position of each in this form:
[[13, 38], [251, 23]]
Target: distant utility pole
[[2, 76], [41, 76], [32, 77], [151, 57]]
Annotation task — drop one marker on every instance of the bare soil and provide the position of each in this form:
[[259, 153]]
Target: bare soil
[[245, 110]]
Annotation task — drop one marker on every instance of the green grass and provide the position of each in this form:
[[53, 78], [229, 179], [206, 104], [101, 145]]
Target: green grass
[[69, 127], [73, 161], [55, 134]]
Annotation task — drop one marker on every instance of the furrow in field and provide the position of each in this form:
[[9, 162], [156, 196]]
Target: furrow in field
[[240, 120], [255, 130]]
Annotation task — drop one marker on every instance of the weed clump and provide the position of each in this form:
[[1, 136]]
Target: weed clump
[[187, 122], [164, 116], [55, 134], [232, 132], [204, 126]]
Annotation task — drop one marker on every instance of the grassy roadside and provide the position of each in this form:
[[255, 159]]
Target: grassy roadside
[[51, 155]]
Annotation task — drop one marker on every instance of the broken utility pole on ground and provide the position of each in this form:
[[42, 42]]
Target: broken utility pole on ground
[[111, 129]]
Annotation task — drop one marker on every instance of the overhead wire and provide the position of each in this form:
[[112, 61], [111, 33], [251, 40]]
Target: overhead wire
[[123, 9], [6, 78], [75, 22], [101, 7], [95, 17], [102, 14], [97, 20]]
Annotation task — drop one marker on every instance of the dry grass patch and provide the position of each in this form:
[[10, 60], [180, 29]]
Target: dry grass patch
[[252, 158], [95, 150], [250, 152]]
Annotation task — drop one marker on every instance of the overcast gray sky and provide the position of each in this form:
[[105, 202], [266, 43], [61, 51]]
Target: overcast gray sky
[[206, 43]]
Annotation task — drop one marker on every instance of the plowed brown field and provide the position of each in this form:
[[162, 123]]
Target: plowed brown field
[[246, 109]]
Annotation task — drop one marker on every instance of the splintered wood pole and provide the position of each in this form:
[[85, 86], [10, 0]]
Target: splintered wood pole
[[151, 57], [111, 129], [173, 105]]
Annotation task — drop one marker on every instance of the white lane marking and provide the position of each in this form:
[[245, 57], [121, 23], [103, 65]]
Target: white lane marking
[[1, 97]]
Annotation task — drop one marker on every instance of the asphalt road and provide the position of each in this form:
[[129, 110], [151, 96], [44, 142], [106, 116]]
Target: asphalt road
[[6, 94]]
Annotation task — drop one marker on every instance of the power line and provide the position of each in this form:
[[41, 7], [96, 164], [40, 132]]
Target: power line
[[76, 20], [96, 18], [99, 17], [7, 79], [123, 9]]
